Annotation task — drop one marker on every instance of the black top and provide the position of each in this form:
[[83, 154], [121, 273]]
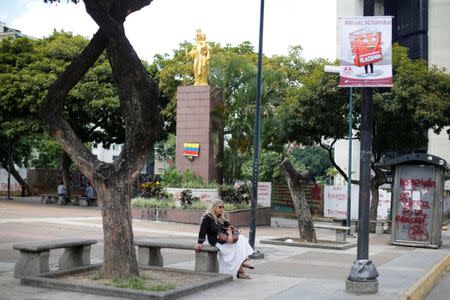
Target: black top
[[211, 229]]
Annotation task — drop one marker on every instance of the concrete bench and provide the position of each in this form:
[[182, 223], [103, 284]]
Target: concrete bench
[[60, 200], [341, 231], [82, 201], [49, 198], [379, 227], [34, 256], [149, 253]]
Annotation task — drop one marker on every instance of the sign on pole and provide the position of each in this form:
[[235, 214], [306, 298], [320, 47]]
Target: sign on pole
[[366, 51]]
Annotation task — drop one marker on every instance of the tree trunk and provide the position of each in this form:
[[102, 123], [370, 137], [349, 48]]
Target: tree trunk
[[65, 164], [378, 180], [119, 259], [18, 178], [139, 103], [296, 186]]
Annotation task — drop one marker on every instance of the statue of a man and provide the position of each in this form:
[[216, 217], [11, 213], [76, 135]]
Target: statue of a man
[[201, 54]]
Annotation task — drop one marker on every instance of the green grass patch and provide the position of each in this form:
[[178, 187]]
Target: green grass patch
[[163, 287], [139, 283]]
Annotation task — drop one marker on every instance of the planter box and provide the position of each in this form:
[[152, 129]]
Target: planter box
[[204, 194], [190, 216]]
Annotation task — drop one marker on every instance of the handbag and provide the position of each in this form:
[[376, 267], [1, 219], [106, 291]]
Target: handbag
[[223, 236]]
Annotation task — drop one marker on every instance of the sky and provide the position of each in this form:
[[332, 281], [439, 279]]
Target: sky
[[160, 27]]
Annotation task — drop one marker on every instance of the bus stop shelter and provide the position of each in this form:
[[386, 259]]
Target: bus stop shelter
[[417, 199]]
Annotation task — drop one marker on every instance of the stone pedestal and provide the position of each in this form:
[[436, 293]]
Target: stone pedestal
[[199, 120]]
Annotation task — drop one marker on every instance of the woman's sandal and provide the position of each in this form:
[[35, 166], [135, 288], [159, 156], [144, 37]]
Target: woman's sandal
[[243, 275], [246, 264]]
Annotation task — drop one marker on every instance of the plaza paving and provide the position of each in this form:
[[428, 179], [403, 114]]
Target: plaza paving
[[284, 273]]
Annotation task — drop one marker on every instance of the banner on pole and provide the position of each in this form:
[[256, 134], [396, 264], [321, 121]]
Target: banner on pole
[[366, 51]]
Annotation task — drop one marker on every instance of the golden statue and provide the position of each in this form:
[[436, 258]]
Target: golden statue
[[201, 54]]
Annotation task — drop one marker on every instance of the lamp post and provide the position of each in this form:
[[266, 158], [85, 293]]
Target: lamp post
[[336, 69], [255, 174], [363, 274]]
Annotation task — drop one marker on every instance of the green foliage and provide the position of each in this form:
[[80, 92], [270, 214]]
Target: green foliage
[[236, 206], [232, 73], [316, 109], [269, 167], [152, 203], [165, 150], [190, 180], [27, 69], [235, 195], [133, 282], [152, 190], [49, 154], [186, 198], [171, 177], [162, 287], [312, 158], [198, 205], [141, 283]]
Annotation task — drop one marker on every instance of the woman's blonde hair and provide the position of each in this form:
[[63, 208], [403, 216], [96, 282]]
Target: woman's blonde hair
[[210, 212]]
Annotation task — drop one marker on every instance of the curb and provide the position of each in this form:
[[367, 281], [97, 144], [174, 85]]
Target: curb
[[424, 285]]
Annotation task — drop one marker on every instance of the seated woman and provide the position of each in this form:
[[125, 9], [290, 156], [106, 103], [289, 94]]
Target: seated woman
[[233, 257]]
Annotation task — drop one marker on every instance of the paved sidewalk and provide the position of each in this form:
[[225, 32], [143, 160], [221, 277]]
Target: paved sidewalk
[[284, 273]]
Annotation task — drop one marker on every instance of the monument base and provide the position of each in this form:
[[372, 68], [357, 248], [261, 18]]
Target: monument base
[[198, 108]]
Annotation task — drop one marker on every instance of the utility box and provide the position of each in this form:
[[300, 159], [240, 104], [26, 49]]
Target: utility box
[[417, 199]]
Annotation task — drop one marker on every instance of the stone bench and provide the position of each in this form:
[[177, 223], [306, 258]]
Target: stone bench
[[34, 256], [60, 200], [82, 201], [379, 227], [341, 231], [49, 198], [149, 253]]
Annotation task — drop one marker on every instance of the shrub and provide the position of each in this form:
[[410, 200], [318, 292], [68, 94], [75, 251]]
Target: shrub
[[152, 203], [171, 177], [152, 190], [230, 194], [186, 198], [199, 205]]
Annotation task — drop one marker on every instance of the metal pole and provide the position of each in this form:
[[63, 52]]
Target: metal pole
[[349, 182], [257, 132], [364, 186], [9, 169], [363, 274]]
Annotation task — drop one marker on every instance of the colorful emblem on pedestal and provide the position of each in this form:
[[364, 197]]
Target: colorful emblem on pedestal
[[191, 150]]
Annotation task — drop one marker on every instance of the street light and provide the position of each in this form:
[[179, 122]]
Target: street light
[[336, 69], [363, 274], [255, 174]]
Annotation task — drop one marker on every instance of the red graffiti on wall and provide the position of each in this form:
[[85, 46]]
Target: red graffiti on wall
[[417, 220], [418, 233], [417, 182], [411, 217]]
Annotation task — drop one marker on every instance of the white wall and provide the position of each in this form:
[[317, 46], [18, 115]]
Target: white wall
[[341, 158], [438, 33], [439, 145], [106, 155]]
